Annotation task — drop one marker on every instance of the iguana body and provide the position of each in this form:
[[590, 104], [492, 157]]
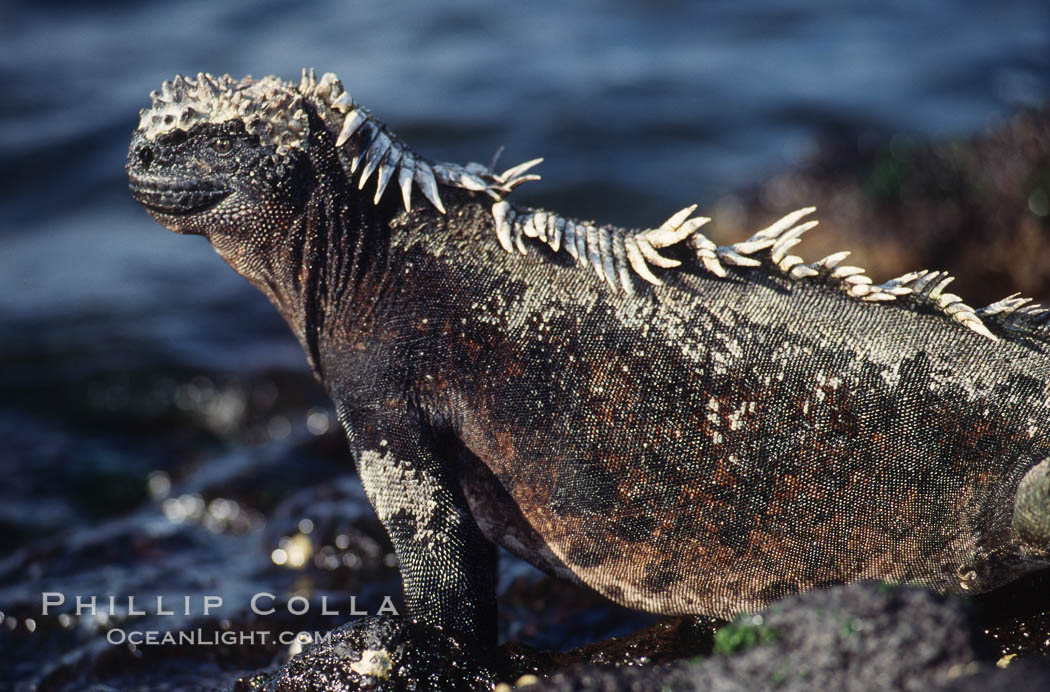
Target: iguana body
[[705, 445]]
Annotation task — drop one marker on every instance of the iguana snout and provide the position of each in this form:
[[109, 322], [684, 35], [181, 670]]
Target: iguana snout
[[213, 178], [175, 197]]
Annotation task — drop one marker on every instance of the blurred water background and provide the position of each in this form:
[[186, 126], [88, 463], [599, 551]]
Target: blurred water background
[[152, 400]]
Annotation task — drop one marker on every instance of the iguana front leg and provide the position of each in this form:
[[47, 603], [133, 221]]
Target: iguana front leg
[[448, 569]]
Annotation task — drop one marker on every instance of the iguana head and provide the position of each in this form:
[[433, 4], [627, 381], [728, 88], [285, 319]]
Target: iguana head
[[210, 150], [216, 157], [248, 163]]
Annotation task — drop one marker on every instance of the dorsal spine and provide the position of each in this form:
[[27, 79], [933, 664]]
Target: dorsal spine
[[377, 149], [614, 252]]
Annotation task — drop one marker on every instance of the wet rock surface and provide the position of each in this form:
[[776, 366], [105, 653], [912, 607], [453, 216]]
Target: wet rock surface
[[378, 653], [857, 637]]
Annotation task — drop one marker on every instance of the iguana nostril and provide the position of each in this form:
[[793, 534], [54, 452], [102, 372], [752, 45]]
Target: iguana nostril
[[145, 157]]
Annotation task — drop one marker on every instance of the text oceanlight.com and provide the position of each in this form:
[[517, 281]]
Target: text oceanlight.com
[[200, 637]]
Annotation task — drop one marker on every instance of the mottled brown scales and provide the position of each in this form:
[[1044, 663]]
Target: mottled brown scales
[[745, 427]]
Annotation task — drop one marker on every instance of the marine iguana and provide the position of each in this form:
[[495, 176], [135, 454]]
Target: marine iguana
[[702, 429]]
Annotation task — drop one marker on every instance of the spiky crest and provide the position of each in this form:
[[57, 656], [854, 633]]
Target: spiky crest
[[616, 254], [380, 151], [272, 109], [268, 107]]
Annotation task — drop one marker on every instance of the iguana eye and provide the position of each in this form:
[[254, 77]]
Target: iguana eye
[[222, 145]]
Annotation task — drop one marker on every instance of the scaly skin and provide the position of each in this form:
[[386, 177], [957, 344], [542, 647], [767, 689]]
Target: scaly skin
[[702, 446]]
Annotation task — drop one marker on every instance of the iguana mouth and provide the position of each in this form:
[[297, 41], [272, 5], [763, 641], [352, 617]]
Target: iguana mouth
[[175, 198]]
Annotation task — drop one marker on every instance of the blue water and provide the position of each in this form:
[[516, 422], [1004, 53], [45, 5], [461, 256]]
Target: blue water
[[128, 349]]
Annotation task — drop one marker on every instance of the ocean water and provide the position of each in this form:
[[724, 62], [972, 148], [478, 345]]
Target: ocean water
[[136, 368]]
